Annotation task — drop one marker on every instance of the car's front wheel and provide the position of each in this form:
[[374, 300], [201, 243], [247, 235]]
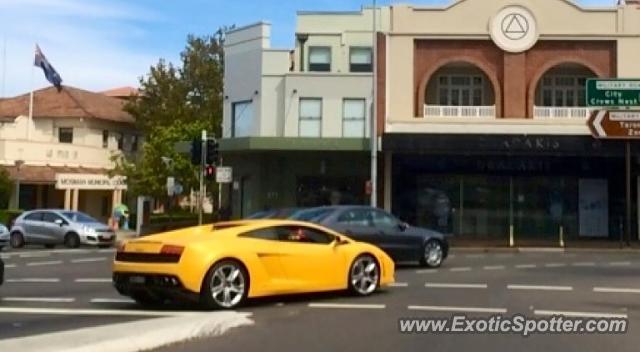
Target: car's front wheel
[[364, 275], [432, 254], [72, 240], [16, 240], [226, 286]]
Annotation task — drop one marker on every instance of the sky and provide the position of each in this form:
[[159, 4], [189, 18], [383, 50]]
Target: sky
[[103, 44]]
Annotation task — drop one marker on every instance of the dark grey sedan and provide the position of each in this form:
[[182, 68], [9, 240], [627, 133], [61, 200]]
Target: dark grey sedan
[[401, 241]]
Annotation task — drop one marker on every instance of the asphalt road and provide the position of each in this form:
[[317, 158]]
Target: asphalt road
[[48, 291]]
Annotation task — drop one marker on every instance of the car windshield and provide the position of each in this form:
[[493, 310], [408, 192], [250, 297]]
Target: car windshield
[[78, 217], [311, 214]]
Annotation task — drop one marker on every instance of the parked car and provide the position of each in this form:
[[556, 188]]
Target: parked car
[[4, 236], [401, 241], [1, 272], [52, 227], [283, 213]]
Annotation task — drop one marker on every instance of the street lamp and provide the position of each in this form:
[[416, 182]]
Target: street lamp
[[374, 127], [18, 164]]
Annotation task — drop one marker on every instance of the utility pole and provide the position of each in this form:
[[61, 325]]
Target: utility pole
[[374, 127], [203, 158]]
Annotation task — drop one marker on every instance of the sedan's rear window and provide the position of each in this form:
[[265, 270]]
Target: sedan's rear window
[[311, 215]]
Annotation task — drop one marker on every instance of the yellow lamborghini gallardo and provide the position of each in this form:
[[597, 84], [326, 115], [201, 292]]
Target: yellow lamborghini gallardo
[[222, 265]]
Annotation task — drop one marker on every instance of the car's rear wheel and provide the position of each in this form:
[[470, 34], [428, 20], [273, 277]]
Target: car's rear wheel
[[432, 254], [226, 286], [364, 275], [72, 240], [16, 240]]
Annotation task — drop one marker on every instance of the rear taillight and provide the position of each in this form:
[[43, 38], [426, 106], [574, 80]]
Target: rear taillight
[[172, 250]]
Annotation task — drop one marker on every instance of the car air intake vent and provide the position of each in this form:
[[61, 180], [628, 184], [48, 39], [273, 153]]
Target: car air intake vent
[[147, 257]]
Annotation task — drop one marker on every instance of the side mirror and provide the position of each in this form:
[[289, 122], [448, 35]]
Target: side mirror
[[59, 222], [339, 241], [403, 226]]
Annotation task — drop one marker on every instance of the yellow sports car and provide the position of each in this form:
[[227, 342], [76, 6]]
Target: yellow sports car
[[220, 266]]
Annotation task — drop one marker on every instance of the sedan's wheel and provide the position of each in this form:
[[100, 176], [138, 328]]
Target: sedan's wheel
[[432, 254], [71, 240], [364, 275], [226, 286], [16, 240]]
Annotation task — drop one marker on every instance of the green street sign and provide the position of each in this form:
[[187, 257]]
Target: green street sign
[[614, 93]]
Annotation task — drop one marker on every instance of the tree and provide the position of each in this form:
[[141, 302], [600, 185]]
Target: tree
[[5, 188], [175, 104]]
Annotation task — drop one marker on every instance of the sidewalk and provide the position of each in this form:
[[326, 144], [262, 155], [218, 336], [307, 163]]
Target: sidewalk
[[543, 246], [125, 234]]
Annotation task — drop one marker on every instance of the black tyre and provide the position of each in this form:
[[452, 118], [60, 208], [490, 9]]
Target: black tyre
[[49, 246], [364, 275], [432, 254], [16, 240], [72, 240], [226, 286]]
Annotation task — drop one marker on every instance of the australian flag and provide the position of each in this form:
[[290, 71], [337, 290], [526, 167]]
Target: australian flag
[[49, 72]]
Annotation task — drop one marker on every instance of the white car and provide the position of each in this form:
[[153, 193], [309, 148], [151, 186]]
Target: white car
[[4, 236]]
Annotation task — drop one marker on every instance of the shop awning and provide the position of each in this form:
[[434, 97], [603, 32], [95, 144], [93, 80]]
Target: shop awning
[[47, 174]]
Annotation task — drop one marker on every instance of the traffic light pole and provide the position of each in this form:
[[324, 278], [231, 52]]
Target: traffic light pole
[[203, 158]]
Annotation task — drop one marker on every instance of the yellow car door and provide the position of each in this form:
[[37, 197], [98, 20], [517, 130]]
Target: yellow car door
[[311, 260]]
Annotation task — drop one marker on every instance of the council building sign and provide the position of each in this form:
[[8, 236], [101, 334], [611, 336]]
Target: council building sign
[[90, 182]]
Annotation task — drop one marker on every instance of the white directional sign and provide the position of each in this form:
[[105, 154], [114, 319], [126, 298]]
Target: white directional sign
[[224, 174]]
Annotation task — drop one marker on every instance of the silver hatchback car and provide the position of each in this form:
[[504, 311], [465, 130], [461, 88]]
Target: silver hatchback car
[[54, 227]]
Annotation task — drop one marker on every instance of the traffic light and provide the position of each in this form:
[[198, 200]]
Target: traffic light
[[196, 152], [210, 172], [212, 152]]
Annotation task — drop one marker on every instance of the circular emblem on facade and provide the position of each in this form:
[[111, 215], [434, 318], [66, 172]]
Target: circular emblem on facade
[[514, 29]]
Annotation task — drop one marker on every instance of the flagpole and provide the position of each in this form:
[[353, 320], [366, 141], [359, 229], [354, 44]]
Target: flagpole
[[30, 106]]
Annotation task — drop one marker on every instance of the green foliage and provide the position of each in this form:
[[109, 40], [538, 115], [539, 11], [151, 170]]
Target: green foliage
[[176, 103], [7, 215], [6, 186]]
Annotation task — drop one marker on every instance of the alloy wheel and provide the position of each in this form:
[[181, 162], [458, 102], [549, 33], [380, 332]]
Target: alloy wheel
[[227, 285], [365, 275], [433, 254]]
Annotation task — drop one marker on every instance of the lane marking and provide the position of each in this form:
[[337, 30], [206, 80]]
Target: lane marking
[[541, 250], [53, 262], [616, 290], [34, 255], [494, 267], [584, 264], [475, 256], [526, 266], [8, 266], [580, 314], [620, 263], [509, 255], [111, 300], [466, 268], [448, 285], [88, 260], [539, 287], [346, 306], [555, 265], [93, 280], [33, 280], [38, 299], [399, 284], [427, 271], [459, 309], [96, 312], [106, 250]]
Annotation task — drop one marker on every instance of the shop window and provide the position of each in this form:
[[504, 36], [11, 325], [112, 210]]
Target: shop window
[[242, 122], [310, 124], [353, 119], [360, 59], [105, 139], [460, 90], [65, 135], [320, 59], [120, 140]]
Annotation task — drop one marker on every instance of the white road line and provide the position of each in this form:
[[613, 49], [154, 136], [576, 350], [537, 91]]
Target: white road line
[[448, 285], [38, 299], [539, 288], [583, 264], [616, 290], [399, 284], [346, 306], [8, 266], [427, 271], [88, 260], [111, 300], [509, 255], [107, 250], [620, 263], [494, 267], [526, 266], [34, 280], [555, 265], [34, 255], [460, 269], [580, 314], [541, 250], [93, 280], [459, 309], [96, 312], [53, 262], [475, 256]]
